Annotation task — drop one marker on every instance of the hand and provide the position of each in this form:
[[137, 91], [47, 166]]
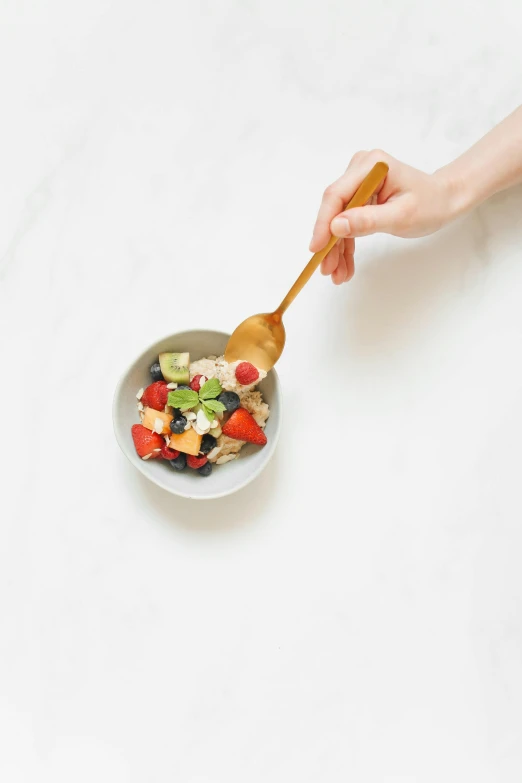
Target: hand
[[409, 203]]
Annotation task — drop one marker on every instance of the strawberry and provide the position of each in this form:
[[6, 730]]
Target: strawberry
[[246, 373], [147, 443], [168, 453], [195, 384], [155, 396], [242, 426], [196, 462]]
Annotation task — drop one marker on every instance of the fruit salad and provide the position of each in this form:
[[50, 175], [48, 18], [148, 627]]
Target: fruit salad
[[200, 414]]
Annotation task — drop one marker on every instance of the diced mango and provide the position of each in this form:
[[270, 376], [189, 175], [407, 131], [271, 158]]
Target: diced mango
[[189, 442], [149, 420]]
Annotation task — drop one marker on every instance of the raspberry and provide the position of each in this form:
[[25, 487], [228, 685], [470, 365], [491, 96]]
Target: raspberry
[[168, 453], [196, 462], [246, 373], [195, 384]]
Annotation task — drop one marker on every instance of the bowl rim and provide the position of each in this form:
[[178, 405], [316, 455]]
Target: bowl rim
[[142, 467]]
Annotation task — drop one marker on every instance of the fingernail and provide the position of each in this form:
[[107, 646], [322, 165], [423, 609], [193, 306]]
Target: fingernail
[[310, 246], [340, 227]]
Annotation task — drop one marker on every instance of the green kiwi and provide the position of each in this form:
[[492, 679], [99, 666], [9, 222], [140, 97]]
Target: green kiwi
[[175, 367]]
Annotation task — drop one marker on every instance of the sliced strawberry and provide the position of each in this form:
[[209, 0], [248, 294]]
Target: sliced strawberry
[[196, 462], [246, 373], [168, 453], [242, 426], [195, 383], [155, 396], [147, 443]]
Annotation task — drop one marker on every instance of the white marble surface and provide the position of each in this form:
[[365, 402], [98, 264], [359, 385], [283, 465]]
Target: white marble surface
[[356, 614]]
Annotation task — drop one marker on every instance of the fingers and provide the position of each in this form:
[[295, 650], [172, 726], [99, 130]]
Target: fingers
[[330, 263], [339, 263], [339, 275], [337, 195], [349, 245], [347, 249], [361, 221], [331, 205]]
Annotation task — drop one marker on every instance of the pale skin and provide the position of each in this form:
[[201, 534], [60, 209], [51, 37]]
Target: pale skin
[[411, 203]]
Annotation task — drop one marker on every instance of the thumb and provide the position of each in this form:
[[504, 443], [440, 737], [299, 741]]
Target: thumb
[[371, 219]]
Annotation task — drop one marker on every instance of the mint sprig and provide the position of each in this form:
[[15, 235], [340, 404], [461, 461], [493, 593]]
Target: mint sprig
[[211, 407], [210, 389], [208, 413], [215, 405], [185, 399]]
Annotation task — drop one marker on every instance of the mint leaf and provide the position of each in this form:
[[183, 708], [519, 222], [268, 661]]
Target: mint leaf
[[183, 399], [215, 406], [208, 413], [212, 388]]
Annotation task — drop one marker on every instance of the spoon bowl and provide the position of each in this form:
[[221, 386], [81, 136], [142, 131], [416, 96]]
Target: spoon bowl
[[260, 340]]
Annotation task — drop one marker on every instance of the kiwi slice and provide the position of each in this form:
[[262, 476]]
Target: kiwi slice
[[175, 367]]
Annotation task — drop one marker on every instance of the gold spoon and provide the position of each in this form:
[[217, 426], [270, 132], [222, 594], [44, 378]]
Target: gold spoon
[[261, 338]]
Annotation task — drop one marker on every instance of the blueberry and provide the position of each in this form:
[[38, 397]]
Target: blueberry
[[206, 469], [207, 443], [230, 400], [155, 372], [177, 426], [180, 462], [183, 387]]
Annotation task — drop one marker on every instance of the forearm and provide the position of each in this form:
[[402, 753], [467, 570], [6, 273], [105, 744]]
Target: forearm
[[493, 164]]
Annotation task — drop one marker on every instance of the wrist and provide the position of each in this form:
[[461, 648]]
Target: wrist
[[460, 197]]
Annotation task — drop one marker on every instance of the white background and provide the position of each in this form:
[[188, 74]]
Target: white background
[[356, 613]]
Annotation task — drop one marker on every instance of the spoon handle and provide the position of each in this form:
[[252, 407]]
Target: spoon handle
[[364, 192]]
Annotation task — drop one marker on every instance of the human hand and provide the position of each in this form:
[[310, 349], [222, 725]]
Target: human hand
[[409, 203]]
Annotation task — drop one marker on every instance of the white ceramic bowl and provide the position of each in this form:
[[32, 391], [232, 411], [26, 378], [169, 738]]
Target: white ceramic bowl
[[225, 479]]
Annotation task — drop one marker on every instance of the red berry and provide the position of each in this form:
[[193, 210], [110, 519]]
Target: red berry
[[196, 462], [246, 373], [147, 442], [195, 384], [167, 453], [155, 396], [242, 426]]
